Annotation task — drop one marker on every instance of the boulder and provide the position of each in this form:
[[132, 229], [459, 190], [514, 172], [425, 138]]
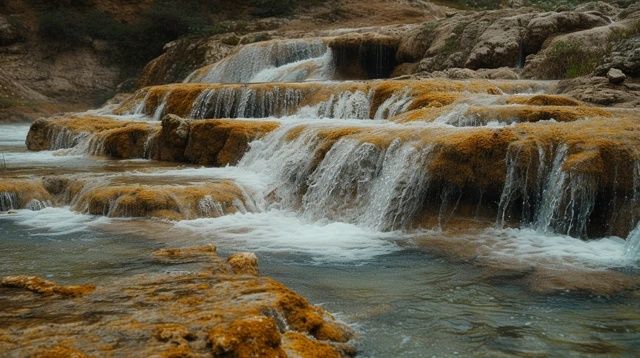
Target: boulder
[[244, 263], [624, 56], [616, 76], [550, 24], [500, 44]]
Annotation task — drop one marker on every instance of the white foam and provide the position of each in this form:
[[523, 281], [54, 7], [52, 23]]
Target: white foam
[[245, 178], [55, 221], [44, 157], [13, 135], [283, 231], [530, 246]]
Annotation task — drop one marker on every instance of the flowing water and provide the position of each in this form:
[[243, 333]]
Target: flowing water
[[344, 228]]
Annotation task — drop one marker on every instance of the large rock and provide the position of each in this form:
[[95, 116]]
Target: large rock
[[207, 311], [492, 39], [616, 76], [500, 44], [547, 25], [625, 56], [598, 90]]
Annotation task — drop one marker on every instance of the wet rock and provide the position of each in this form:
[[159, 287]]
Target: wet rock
[[172, 140], [20, 193], [165, 314], [206, 250], [223, 142], [55, 184], [616, 76], [598, 90], [250, 337], [44, 287], [364, 56], [244, 263], [168, 202]]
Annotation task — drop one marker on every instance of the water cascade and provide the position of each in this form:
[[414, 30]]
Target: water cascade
[[270, 61]]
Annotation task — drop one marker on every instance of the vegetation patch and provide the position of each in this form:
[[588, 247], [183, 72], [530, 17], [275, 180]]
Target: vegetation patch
[[135, 43], [570, 59]]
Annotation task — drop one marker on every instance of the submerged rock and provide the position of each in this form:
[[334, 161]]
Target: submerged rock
[[44, 287], [213, 312]]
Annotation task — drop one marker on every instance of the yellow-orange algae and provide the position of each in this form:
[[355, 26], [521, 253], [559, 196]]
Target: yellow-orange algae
[[44, 287]]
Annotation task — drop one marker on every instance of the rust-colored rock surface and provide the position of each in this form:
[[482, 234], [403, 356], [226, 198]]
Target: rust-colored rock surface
[[211, 312]]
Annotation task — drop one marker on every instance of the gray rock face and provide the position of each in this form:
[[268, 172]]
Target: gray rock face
[[493, 39], [625, 57], [598, 90], [9, 34], [616, 76], [547, 25]]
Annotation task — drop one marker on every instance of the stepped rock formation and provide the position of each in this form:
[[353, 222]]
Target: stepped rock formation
[[506, 169]]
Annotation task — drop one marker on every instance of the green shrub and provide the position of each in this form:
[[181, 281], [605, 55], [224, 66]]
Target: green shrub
[[134, 43]]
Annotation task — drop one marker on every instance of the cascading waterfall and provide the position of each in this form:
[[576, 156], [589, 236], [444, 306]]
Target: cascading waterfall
[[632, 244], [258, 62], [246, 102], [346, 105], [37, 205], [361, 183], [551, 199], [398, 103], [159, 111], [313, 69], [8, 201], [356, 182]]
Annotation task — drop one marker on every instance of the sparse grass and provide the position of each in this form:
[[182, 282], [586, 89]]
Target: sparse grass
[[6, 102], [570, 59], [620, 34]]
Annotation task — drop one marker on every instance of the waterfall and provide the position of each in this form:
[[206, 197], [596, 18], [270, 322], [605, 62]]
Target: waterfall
[[37, 205], [159, 111], [398, 103], [354, 181], [551, 199], [259, 61], [8, 201], [632, 245], [245, 102], [361, 183], [345, 105], [313, 69]]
